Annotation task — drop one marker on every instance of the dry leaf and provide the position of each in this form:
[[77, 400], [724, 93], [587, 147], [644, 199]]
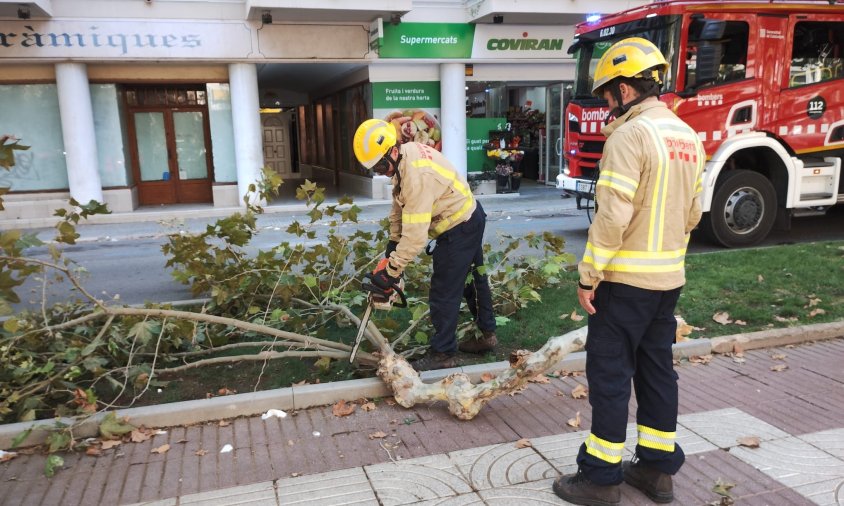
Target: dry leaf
[[369, 406], [523, 443], [575, 374], [740, 322], [390, 402], [739, 359], [779, 367], [702, 359], [559, 393], [343, 409], [722, 317], [580, 392], [487, 376], [224, 423], [107, 445], [161, 449], [200, 452], [303, 382], [540, 378], [779, 356], [814, 302], [575, 317], [781, 319], [564, 316], [749, 441], [722, 487], [683, 329], [738, 350], [226, 391], [574, 422], [759, 278], [91, 451], [294, 475], [816, 312], [140, 435], [378, 435]]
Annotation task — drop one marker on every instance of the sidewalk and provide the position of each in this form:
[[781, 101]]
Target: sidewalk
[[425, 456]]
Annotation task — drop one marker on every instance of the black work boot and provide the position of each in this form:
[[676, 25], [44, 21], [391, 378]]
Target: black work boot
[[435, 360], [577, 489], [654, 484], [483, 344]]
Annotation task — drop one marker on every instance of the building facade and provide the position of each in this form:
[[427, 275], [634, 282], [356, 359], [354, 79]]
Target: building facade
[[141, 103]]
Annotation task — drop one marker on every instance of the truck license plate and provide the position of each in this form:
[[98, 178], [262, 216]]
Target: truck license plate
[[583, 186]]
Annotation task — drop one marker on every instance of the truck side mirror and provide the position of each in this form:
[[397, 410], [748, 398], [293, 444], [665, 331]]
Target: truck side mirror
[[708, 63]]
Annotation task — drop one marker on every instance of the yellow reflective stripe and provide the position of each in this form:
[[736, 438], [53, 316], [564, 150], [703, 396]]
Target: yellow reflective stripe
[[657, 217], [458, 186], [656, 439], [618, 182], [634, 261], [603, 449], [410, 218]]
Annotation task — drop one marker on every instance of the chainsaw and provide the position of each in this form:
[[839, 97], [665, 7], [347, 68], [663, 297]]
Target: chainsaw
[[378, 298]]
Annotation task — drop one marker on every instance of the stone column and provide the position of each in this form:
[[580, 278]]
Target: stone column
[[80, 143], [246, 119], [453, 113]]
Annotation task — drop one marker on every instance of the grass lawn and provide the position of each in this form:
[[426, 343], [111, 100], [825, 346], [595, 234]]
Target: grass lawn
[[770, 287]]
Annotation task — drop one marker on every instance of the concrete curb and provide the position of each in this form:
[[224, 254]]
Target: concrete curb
[[305, 396]]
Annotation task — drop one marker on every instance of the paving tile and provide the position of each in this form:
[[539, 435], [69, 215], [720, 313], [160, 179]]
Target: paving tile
[[560, 450], [257, 494], [531, 493], [724, 426], [419, 479], [458, 500], [797, 464], [501, 465], [830, 441], [349, 486]]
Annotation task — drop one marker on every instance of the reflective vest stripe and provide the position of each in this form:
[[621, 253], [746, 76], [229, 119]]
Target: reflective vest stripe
[[634, 261], [603, 449], [618, 182], [656, 225], [410, 218], [656, 439], [458, 186]]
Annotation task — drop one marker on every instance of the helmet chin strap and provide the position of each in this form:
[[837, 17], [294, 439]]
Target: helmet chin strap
[[622, 108]]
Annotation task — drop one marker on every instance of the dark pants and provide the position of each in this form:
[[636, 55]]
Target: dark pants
[[459, 251], [630, 337]]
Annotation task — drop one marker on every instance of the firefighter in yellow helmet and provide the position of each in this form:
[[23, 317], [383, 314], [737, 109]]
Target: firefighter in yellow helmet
[[431, 199], [631, 274]]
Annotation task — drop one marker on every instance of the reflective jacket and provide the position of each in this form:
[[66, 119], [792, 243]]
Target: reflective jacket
[[648, 196], [429, 198]]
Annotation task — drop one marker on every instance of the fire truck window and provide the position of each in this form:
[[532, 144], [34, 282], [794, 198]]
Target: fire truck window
[[733, 55], [817, 54]]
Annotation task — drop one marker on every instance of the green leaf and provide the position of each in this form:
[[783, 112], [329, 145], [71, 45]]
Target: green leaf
[[20, 438], [112, 428], [323, 363], [11, 325], [421, 338], [58, 440], [501, 321], [310, 281], [253, 310], [91, 346], [143, 330], [54, 462]]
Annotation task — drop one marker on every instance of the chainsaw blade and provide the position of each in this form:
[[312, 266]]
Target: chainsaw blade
[[363, 322]]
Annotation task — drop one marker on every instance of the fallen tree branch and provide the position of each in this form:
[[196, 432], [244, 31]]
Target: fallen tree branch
[[465, 399]]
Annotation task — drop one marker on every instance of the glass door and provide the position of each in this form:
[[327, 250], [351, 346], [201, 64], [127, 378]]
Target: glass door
[[554, 138], [171, 156]]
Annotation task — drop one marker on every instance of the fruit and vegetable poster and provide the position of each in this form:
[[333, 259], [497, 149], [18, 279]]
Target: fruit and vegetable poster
[[412, 107], [477, 136]]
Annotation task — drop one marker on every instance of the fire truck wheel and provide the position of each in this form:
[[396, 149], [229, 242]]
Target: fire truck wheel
[[743, 209]]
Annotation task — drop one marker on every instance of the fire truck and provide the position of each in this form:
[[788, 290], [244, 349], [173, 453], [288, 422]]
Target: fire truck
[[762, 83]]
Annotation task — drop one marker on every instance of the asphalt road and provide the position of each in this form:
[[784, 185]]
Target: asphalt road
[[132, 266]]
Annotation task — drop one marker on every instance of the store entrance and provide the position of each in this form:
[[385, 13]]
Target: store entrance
[[169, 137]]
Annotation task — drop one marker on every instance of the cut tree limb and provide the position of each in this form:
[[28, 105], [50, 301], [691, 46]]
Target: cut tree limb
[[465, 399]]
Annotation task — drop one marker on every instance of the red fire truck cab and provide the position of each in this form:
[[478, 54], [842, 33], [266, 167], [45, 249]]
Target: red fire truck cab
[[762, 83]]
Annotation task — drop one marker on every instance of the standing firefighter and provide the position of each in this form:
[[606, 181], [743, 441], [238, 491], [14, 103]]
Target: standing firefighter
[[430, 198], [630, 279]]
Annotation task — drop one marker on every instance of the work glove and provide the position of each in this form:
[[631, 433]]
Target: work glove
[[382, 280], [391, 246]]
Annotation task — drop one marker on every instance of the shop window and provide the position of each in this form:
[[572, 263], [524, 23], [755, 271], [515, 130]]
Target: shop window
[[160, 96], [733, 65], [817, 54]]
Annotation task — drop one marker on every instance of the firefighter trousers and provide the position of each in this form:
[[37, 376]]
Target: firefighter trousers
[[458, 251], [630, 337]]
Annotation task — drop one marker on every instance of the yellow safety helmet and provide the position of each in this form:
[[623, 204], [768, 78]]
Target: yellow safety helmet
[[373, 139], [632, 57]]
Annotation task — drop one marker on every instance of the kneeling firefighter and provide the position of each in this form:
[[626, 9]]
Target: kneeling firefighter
[[431, 199]]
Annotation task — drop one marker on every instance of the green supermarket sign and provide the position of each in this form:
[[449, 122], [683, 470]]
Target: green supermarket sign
[[427, 40]]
